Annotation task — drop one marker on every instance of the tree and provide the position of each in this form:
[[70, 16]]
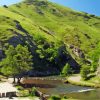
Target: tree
[[18, 61], [66, 70], [9, 63], [85, 70], [95, 55]]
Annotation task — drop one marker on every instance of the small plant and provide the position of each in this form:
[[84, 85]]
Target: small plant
[[66, 70], [55, 97], [5, 6], [85, 71], [64, 98], [19, 87], [23, 93], [33, 92]]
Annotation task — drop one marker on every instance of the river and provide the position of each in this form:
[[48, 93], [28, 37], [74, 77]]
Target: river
[[54, 85]]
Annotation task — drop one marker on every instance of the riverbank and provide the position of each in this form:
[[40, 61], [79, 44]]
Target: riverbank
[[77, 80]]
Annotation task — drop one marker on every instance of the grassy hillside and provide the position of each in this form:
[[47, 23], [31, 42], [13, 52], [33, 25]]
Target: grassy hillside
[[42, 25]]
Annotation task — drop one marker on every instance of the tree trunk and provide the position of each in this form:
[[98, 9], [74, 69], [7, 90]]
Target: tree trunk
[[14, 81], [18, 80]]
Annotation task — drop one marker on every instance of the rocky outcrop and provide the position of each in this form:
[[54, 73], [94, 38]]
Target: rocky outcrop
[[37, 3], [77, 51], [41, 3], [39, 11]]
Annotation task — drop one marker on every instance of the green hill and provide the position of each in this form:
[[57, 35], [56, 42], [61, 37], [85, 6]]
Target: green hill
[[55, 35]]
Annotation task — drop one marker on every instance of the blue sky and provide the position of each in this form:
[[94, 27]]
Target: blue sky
[[8, 2], [90, 6]]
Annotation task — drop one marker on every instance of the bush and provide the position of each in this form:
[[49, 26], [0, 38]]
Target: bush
[[85, 70], [5, 6], [64, 98], [19, 87], [66, 70], [24, 93], [33, 92], [55, 97]]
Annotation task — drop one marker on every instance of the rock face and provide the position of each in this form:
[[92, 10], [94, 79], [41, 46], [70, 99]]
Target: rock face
[[78, 53], [39, 11]]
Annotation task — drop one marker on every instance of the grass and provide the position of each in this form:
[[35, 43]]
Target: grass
[[93, 82], [64, 24], [64, 27]]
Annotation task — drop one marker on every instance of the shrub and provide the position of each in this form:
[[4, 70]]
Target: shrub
[[24, 93], [55, 97], [5, 6], [33, 92], [19, 87], [66, 70], [85, 70]]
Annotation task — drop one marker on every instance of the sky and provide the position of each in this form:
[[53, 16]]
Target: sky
[[89, 6], [8, 2]]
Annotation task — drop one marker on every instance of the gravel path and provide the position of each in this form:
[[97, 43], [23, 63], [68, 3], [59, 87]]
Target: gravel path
[[76, 78]]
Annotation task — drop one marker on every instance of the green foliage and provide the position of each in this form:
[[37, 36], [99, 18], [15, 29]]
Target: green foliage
[[55, 97], [45, 49], [18, 60], [85, 71], [24, 59], [19, 87], [95, 56], [48, 52], [66, 70], [33, 92], [65, 98], [24, 93], [9, 63], [55, 24]]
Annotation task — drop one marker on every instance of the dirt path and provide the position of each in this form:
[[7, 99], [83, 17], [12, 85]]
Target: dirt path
[[76, 78], [10, 80]]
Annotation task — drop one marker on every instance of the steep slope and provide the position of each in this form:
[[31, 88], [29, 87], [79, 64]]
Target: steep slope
[[74, 36]]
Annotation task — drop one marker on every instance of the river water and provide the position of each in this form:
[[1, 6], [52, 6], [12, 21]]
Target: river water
[[55, 86]]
